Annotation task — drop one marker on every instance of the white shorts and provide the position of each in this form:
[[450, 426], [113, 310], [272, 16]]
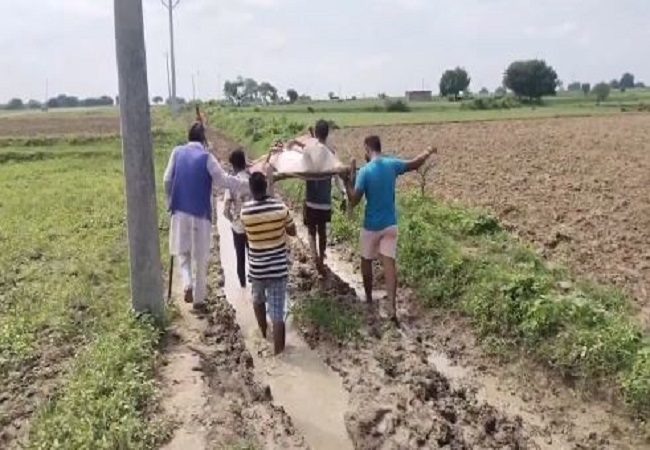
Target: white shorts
[[375, 243]]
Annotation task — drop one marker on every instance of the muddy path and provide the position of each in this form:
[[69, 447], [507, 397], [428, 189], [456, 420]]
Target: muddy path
[[209, 386], [429, 384], [295, 375]]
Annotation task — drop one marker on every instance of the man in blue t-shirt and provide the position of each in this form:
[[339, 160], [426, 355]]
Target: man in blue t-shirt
[[376, 180]]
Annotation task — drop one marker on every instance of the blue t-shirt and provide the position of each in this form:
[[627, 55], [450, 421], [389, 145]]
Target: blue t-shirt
[[376, 181]]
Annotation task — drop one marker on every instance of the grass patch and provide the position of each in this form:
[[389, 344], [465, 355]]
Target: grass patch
[[329, 315], [65, 299]]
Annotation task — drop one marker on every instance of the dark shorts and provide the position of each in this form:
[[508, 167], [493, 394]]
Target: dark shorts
[[273, 293], [313, 216]]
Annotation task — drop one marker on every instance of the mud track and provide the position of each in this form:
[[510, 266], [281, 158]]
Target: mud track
[[224, 406], [429, 384]]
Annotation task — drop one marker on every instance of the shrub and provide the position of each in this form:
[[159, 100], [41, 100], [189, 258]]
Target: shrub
[[396, 106], [483, 104]]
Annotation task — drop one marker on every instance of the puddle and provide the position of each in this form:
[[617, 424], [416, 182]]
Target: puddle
[[300, 382]]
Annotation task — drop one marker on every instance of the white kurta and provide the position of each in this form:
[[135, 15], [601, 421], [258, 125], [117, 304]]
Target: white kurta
[[190, 237]]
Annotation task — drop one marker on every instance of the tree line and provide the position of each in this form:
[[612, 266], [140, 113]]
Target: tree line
[[60, 101], [627, 81], [531, 80], [248, 91]]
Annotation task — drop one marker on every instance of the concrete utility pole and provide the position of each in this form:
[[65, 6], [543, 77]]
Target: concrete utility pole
[[170, 5], [141, 206], [169, 82], [193, 88]]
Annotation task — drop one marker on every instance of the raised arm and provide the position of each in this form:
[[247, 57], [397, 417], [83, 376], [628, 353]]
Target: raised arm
[[416, 163], [223, 179]]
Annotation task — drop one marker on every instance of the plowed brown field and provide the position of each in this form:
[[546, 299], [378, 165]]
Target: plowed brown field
[[58, 124], [578, 189]]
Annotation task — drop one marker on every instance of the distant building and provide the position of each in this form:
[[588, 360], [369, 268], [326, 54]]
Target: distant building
[[419, 96]]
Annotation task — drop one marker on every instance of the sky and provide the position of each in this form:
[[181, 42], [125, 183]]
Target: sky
[[352, 47]]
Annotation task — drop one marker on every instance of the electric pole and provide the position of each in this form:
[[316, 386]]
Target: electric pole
[[193, 88], [47, 94], [169, 83], [171, 5], [137, 151], [198, 84]]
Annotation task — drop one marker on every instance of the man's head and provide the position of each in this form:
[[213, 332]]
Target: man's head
[[238, 160], [196, 133], [373, 146], [257, 183], [322, 130]]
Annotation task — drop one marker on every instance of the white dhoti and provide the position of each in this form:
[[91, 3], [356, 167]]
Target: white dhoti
[[190, 239]]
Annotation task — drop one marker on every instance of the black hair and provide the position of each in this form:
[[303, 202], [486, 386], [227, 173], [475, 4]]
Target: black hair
[[322, 130], [196, 133], [257, 183], [238, 159], [373, 143]]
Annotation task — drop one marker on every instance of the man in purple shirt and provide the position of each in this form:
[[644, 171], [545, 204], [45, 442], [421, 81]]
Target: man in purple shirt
[[191, 174]]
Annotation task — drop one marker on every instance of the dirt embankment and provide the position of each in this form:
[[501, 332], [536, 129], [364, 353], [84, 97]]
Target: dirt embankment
[[398, 397], [578, 188]]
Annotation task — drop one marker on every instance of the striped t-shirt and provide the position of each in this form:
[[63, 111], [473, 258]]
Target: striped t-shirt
[[265, 222]]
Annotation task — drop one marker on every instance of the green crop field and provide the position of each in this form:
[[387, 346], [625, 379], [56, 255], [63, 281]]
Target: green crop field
[[71, 351], [367, 112]]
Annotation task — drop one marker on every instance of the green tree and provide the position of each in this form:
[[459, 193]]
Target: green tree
[[500, 92], [627, 81], [601, 91], [586, 88], [531, 79], [292, 95], [233, 90], [574, 86], [34, 104], [15, 104], [158, 100], [267, 92], [484, 91], [251, 90], [615, 84], [453, 82]]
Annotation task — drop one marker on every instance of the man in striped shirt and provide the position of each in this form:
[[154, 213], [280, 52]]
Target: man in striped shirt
[[267, 222]]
